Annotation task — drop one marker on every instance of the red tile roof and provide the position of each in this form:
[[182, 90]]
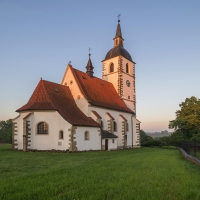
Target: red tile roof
[[99, 92], [53, 96]]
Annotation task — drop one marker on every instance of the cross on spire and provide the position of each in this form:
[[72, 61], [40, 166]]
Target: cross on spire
[[118, 17], [89, 51]]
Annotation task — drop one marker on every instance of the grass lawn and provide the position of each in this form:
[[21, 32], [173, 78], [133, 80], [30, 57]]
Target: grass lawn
[[146, 173]]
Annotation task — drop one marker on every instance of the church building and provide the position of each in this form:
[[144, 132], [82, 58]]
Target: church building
[[84, 112]]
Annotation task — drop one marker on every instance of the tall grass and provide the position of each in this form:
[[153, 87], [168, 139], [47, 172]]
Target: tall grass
[[145, 173]]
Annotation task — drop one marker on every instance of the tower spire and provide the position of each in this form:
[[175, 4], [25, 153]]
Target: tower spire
[[89, 67], [118, 40]]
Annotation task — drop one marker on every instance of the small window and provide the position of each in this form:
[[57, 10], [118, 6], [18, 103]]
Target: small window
[[111, 67], [115, 126], [127, 68], [61, 136], [42, 128], [126, 126], [128, 97], [86, 135], [128, 83], [113, 140]]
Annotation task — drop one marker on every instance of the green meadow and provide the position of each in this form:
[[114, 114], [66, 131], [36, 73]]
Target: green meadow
[[146, 173]]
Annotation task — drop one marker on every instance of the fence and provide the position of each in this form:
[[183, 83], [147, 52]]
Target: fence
[[192, 149]]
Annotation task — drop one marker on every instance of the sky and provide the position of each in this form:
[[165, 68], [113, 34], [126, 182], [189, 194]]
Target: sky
[[38, 39]]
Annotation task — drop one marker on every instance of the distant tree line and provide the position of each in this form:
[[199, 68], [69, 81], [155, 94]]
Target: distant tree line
[[186, 126], [6, 131], [158, 134], [148, 141]]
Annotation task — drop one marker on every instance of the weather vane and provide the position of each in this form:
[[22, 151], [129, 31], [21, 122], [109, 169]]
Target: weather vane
[[69, 63], [118, 17], [89, 51]]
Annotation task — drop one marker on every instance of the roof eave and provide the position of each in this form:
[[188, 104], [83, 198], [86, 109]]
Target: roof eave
[[117, 56], [113, 109]]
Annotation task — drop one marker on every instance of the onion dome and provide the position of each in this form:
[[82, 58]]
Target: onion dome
[[118, 51]]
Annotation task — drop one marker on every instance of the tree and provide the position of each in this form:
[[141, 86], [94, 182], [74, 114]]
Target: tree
[[144, 138], [6, 131], [187, 122]]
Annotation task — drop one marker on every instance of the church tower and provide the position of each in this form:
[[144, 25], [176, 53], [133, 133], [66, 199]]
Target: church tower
[[119, 69]]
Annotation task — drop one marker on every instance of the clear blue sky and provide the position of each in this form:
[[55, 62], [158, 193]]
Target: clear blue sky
[[38, 38]]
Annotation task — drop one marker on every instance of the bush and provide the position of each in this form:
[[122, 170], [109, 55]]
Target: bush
[[151, 143], [169, 147], [6, 131]]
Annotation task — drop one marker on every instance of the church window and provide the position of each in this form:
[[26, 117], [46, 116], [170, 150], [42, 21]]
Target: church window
[[113, 140], [127, 68], [71, 82], [115, 126], [61, 136], [42, 128], [128, 97], [111, 67], [126, 126], [86, 135]]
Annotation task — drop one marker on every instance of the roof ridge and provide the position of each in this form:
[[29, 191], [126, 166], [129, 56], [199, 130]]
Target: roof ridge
[[94, 76]]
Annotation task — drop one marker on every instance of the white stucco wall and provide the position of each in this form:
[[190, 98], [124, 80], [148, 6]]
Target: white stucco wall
[[94, 141], [111, 145], [45, 141], [135, 135], [19, 133], [115, 114], [56, 123]]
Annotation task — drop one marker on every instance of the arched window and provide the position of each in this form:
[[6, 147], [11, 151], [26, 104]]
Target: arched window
[[127, 68], [61, 136], [87, 135], [115, 126], [111, 67], [42, 128]]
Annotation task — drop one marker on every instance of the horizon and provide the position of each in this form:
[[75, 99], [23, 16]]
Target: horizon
[[40, 38]]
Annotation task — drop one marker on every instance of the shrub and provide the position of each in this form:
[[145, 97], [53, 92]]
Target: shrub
[[169, 147], [151, 143]]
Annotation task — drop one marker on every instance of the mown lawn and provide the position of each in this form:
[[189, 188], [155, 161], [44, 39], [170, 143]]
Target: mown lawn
[[146, 173]]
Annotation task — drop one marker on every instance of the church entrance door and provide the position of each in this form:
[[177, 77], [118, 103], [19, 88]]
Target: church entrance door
[[106, 144]]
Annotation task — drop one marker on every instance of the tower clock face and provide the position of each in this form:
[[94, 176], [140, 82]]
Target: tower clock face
[[128, 83]]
